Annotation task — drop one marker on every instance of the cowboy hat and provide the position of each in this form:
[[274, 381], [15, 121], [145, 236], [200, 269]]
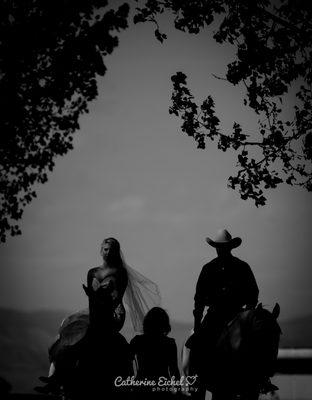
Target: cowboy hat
[[224, 238]]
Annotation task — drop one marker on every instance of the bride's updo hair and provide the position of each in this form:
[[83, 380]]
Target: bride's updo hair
[[115, 252]]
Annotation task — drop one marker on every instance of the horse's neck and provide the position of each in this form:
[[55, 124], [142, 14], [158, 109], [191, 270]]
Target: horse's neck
[[242, 318]]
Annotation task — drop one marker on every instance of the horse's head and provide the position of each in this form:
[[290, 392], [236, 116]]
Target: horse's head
[[263, 320], [252, 340], [264, 336]]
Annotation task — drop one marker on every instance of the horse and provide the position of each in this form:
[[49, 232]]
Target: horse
[[89, 355], [239, 365]]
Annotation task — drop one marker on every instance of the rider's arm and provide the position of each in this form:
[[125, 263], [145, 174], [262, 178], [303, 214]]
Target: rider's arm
[[90, 277], [251, 288], [199, 299], [133, 353]]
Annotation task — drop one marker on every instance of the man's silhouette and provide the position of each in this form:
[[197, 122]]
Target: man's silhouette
[[225, 285]]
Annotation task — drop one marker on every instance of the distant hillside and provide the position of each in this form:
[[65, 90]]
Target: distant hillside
[[26, 336]]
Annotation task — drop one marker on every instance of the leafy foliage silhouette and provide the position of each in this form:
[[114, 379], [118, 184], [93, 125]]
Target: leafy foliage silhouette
[[273, 41], [50, 55]]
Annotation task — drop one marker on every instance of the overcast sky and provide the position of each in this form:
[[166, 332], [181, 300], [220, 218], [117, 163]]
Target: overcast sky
[[133, 175]]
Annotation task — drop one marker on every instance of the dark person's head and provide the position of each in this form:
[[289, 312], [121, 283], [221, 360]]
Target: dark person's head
[[223, 251], [110, 251], [156, 322]]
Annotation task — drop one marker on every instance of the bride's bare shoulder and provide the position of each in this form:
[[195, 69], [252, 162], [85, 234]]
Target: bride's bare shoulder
[[93, 272], [94, 269]]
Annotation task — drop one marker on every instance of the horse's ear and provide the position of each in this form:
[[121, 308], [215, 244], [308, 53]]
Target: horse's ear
[[259, 306], [276, 311]]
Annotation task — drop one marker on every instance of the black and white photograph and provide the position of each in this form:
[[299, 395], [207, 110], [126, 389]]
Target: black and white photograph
[[156, 200]]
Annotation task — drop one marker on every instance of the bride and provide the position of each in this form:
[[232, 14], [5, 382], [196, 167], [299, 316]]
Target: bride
[[109, 286]]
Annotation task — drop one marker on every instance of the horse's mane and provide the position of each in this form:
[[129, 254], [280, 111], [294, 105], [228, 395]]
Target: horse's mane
[[250, 342]]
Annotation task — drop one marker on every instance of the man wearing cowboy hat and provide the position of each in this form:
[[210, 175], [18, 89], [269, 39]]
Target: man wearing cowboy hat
[[225, 285]]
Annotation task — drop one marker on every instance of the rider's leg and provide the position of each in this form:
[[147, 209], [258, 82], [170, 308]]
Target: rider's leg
[[199, 393], [224, 396], [253, 395], [220, 396]]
